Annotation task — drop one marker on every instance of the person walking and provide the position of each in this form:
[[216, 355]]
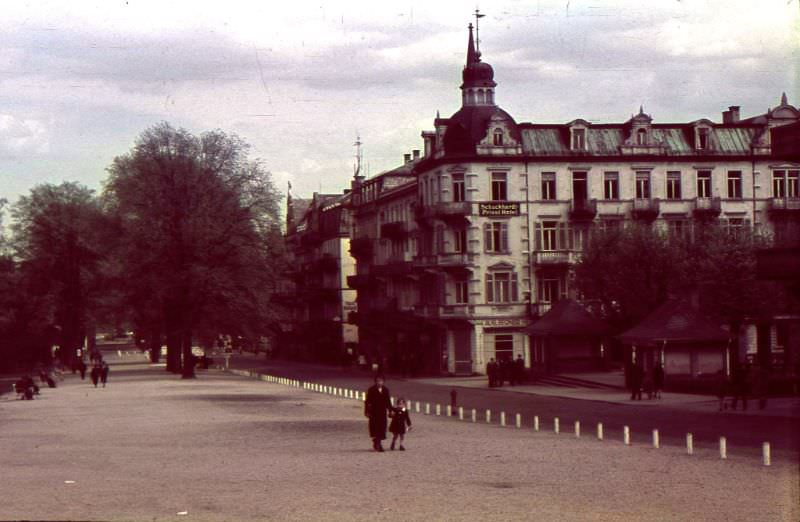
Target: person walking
[[636, 382], [82, 368], [104, 373], [376, 406], [519, 368], [491, 372], [401, 423], [658, 380], [95, 374]]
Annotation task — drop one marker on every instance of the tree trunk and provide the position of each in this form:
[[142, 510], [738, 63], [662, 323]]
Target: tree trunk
[[188, 357], [173, 352], [154, 345]]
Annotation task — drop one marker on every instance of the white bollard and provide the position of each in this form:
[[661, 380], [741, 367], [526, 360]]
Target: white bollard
[[427, 408], [656, 440], [723, 448], [599, 431], [438, 410], [502, 418], [626, 435], [535, 423], [488, 416], [449, 411], [461, 413], [577, 429], [519, 421], [474, 415], [766, 454], [689, 444], [556, 427], [417, 407]]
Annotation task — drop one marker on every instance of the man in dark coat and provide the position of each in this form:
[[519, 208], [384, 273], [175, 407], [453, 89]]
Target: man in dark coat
[[376, 406], [519, 369], [491, 373]]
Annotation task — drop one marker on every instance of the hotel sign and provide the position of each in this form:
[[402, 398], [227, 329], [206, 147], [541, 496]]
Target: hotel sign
[[503, 321], [493, 209]]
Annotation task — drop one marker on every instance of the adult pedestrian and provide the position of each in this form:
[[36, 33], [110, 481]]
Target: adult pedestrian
[[740, 386], [104, 373], [519, 368], [635, 382], [658, 380], [82, 368], [721, 388], [95, 373], [491, 372], [376, 406]]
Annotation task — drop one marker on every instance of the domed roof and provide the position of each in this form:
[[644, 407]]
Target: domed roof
[[478, 72], [469, 125]]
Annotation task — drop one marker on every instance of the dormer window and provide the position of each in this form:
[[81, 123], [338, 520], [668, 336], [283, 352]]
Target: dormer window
[[498, 137], [578, 139], [641, 137], [702, 139]]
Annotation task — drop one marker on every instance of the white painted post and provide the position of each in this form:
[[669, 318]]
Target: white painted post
[[766, 454], [488, 416], [723, 448], [535, 423], [438, 410], [502, 418], [449, 410], [689, 444], [599, 431], [474, 415], [427, 408], [626, 435], [556, 427], [461, 413], [417, 407], [656, 440], [519, 421], [577, 429]]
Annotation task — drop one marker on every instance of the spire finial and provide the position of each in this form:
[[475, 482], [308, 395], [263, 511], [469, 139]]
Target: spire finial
[[641, 109], [357, 145], [784, 100], [478, 17], [471, 56], [437, 114]]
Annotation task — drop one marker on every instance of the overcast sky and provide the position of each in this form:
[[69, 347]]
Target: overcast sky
[[79, 80]]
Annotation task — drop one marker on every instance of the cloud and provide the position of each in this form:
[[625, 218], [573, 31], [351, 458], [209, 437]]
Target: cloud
[[23, 135]]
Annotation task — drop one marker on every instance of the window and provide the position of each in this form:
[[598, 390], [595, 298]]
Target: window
[[779, 184], [792, 184], [548, 186], [578, 139], [642, 185], [462, 291], [459, 191], [498, 137], [496, 236], [735, 184], [673, 185], [460, 243], [501, 287], [641, 137], [735, 226], [580, 187], [549, 235], [549, 290], [704, 184], [504, 347], [678, 228], [499, 192], [611, 185], [702, 139], [611, 225]]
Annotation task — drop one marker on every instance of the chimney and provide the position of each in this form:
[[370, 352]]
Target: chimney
[[726, 116], [734, 112], [406, 158], [416, 154]]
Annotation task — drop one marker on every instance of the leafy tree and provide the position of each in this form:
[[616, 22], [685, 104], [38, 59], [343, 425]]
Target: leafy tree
[[199, 222]]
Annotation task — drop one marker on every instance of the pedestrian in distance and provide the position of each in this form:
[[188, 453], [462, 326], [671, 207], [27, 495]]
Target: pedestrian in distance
[[95, 374], [377, 406], [82, 368], [401, 423], [519, 368], [722, 389], [647, 384], [104, 373], [658, 380], [491, 372], [740, 386], [636, 382]]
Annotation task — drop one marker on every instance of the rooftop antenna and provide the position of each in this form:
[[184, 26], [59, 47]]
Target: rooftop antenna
[[478, 16], [357, 145]]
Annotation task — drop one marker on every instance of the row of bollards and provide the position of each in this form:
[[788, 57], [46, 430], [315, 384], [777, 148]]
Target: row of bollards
[[450, 411]]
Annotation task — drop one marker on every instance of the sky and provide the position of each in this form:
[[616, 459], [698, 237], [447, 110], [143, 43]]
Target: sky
[[80, 80]]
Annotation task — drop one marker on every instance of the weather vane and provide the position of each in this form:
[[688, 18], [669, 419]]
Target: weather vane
[[478, 16]]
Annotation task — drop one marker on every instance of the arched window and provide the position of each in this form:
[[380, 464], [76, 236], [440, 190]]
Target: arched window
[[471, 97], [498, 137], [641, 137], [489, 96], [481, 98]]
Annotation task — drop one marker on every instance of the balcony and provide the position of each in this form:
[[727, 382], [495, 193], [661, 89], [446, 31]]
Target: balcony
[[783, 208], [361, 248], [360, 281], [395, 230], [583, 209], [707, 208], [645, 209], [456, 211], [449, 261], [393, 268], [555, 258]]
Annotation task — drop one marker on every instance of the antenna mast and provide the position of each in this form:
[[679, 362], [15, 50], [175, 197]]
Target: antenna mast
[[478, 17], [357, 145]]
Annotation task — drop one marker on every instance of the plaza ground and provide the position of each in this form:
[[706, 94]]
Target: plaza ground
[[222, 447]]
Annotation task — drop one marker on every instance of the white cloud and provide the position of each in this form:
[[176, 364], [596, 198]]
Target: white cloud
[[23, 135]]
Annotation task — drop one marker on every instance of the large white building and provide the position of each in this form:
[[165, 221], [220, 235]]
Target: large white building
[[462, 247]]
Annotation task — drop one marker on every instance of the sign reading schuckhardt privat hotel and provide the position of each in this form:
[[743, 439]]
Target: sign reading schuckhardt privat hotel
[[493, 209]]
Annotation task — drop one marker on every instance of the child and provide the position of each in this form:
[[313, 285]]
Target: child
[[400, 419]]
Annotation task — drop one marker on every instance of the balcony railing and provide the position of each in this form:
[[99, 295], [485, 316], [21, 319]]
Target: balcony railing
[[708, 207], [445, 260], [780, 206], [646, 209], [555, 258], [583, 209], [360, 281], [444, 210]]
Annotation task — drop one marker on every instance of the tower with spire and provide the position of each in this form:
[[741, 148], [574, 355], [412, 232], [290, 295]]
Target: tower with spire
[[478, 84]]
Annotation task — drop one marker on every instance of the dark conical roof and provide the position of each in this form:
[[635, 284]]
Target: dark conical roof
[[568, 318], [468, 126], [674, 321], [476, 73]]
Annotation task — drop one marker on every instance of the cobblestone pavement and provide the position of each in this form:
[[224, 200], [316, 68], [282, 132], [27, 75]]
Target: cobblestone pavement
[[153, 447]]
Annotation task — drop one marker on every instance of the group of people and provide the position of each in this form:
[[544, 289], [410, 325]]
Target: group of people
[[643, 381], [99, 372], [511, 370], [377, 406], [744, 381]]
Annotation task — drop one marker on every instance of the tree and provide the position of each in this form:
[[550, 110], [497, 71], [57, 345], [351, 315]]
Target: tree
[[56, 254], [199, 224]]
